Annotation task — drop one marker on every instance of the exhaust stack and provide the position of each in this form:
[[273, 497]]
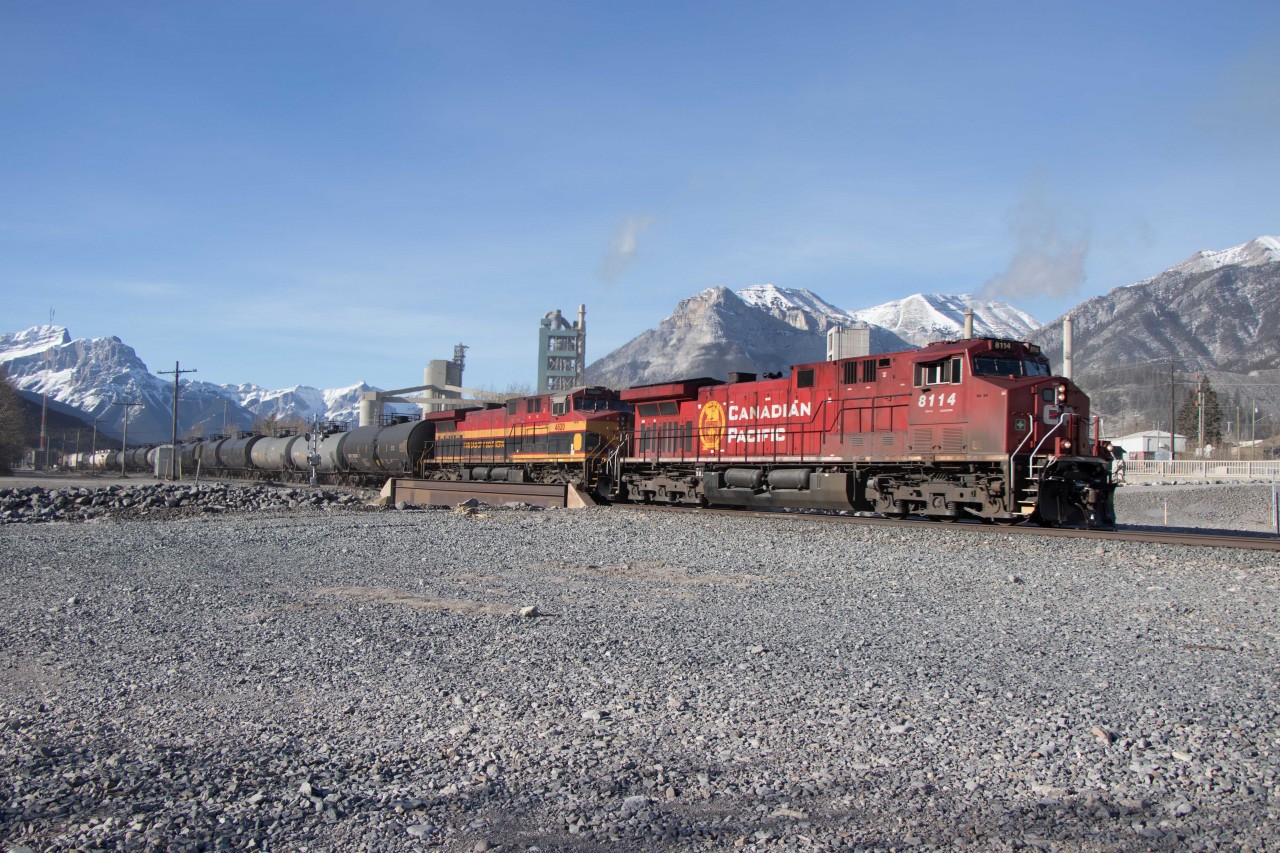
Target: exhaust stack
[[968, 324], [1067, 346]]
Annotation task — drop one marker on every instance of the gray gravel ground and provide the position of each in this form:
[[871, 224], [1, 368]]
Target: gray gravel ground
[[1197, 506], [357, 680]]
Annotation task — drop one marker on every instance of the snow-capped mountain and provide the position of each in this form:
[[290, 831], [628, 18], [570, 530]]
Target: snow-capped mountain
[[927, 317], [1255, 253], [800, 308], [709, 334], [340, 405], [918, 320], [1218, 311], [765, 328], [95, 375]]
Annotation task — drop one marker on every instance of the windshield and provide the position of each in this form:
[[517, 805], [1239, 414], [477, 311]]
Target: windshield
[[594, 404], [1001, 365]]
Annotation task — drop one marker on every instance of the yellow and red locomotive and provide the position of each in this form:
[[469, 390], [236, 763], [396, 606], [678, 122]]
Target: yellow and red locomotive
[[548, 438], [977, 428]]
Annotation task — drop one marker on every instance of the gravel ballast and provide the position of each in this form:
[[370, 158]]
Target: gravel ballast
[[612, 679]]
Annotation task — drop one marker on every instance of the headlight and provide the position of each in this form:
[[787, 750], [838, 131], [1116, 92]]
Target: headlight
[[1066, 445], [1062, 394]]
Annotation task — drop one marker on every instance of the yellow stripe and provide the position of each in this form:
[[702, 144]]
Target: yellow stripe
[[481, 459], [518, 431]]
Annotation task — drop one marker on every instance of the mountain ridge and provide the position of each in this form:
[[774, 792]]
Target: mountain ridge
[[766, 328], [1219, 310], [94, 375]]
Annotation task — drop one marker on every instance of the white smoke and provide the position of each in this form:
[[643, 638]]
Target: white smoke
[[1049, 261], [623, 247]]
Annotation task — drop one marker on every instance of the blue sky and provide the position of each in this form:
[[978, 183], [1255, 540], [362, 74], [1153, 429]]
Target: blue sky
[[322, 192]]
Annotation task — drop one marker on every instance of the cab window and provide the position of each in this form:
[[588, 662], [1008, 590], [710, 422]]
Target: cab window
[[944, 372], [1005, 365]]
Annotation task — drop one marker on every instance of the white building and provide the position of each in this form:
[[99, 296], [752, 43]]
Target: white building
[[1152, 444]]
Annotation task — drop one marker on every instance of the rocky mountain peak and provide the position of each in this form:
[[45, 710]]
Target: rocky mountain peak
[[93, 376], [1218, 312], [797, 307], [1257, 252], [765, 328], [34, 341], [923, 318]]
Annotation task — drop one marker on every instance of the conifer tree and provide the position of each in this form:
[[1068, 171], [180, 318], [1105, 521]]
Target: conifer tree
[[1188, 423]]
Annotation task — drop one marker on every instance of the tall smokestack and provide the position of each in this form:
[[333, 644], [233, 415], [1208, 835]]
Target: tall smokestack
[[582, 317], [1066, 346], [968, 324]]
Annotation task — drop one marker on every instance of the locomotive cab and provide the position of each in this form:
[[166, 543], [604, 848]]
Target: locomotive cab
[[1054, 467]]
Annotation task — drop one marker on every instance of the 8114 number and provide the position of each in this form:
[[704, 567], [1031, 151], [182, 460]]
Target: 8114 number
[[935, 399]]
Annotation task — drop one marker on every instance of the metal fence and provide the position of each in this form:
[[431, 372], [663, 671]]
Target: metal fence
[[1199, 469]]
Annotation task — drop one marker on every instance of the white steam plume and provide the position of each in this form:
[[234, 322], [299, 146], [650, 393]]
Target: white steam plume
[[623, 247], [1048, 261]]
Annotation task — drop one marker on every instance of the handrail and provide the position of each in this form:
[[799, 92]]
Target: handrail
[[1012, 492], [1061, 420]]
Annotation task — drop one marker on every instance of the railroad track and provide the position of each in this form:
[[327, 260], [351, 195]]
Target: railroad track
[[1149, 535]]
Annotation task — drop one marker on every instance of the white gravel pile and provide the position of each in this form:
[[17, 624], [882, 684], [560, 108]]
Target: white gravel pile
[[366, 681]]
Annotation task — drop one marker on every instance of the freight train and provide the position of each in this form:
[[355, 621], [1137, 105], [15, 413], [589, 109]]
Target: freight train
[[973, 429]]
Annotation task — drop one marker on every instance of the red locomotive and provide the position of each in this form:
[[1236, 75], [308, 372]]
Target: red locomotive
[[977, 428]]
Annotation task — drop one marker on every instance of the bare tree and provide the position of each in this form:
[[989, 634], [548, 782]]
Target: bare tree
[[513, 389], [265, 424], [278, 424]]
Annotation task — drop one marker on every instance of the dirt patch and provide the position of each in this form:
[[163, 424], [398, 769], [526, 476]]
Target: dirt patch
[[657, 571], [400, 598]]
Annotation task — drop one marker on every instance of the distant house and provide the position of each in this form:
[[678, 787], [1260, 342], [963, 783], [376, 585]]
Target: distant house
[[1152, 444]]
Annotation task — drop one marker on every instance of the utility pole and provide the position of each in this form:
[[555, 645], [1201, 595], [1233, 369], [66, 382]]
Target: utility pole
[[44, 434], [93, 447], [44, 408], [1173, 442], [1253, 428], [173, 449], [1200, 414], [124, 436]]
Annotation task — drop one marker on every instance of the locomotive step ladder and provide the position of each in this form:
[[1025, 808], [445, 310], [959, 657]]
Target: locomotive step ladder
[[1029, 494]]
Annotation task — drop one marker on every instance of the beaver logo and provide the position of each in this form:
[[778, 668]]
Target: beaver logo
[[711, 423]]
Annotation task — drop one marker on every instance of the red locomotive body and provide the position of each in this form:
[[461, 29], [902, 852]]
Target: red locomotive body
[[972, 428]]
